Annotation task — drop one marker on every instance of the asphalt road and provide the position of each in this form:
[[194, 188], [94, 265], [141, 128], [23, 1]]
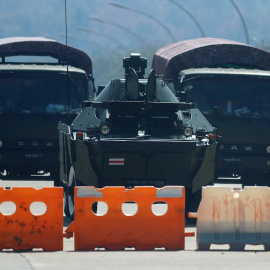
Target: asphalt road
[[219, 257]]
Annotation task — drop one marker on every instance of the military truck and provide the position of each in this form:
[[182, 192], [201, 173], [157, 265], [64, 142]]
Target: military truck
[[236, 77], [136, 132], [42, 82]]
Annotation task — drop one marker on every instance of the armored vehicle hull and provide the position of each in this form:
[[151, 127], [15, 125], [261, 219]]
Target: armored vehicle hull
[[135, 133]]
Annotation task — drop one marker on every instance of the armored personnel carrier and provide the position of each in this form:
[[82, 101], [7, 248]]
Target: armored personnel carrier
[[236, 77], [136, 132]]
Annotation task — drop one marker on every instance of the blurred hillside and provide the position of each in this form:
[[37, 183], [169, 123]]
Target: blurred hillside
[[143, 26]]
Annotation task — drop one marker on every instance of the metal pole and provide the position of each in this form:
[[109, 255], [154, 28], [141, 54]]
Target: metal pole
[[68, 86]]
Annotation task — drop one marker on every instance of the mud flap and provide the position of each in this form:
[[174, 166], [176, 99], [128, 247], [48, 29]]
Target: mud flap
[[205, 175]]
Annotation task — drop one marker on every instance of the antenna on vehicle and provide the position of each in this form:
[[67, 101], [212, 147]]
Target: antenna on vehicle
[[68, 90]]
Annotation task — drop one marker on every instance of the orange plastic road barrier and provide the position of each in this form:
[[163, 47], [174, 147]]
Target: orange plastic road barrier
[[234, 217], [31, 218], [116, 229]]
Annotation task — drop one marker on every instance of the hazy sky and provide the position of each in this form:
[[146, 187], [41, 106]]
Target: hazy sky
[[216, 18], [142, 24]]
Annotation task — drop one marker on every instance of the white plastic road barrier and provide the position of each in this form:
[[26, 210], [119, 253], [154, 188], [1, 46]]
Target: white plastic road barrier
[[233, 216]]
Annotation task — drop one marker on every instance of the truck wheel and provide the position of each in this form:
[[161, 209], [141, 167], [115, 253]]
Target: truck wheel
[[66, 210], [69, 194]]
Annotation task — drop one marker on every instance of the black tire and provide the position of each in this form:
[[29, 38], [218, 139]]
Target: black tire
[[69, 194], [66, 210]]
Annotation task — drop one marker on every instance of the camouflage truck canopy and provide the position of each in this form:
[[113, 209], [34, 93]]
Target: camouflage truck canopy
[[207, 52], [39, 46]]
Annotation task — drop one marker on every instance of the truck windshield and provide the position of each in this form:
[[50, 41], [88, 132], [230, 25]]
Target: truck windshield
[[239, 96], [38, 92]]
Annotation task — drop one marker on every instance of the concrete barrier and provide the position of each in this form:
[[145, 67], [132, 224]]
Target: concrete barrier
[[235, 217], [31, 218], [141, 227]]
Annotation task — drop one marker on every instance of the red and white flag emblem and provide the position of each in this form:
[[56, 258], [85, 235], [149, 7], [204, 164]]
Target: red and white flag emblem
[[116, 161]]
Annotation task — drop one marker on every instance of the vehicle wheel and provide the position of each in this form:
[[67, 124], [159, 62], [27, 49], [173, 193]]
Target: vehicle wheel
[[69, 194], [66, 211]]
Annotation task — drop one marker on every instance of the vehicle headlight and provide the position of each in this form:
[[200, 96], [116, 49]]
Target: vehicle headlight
[[105, 130], [268, 149], [1, 143], [188, 131]]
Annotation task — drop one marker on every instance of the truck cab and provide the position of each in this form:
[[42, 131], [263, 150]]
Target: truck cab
[[244, 97], [42, 83], [234, 78]]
